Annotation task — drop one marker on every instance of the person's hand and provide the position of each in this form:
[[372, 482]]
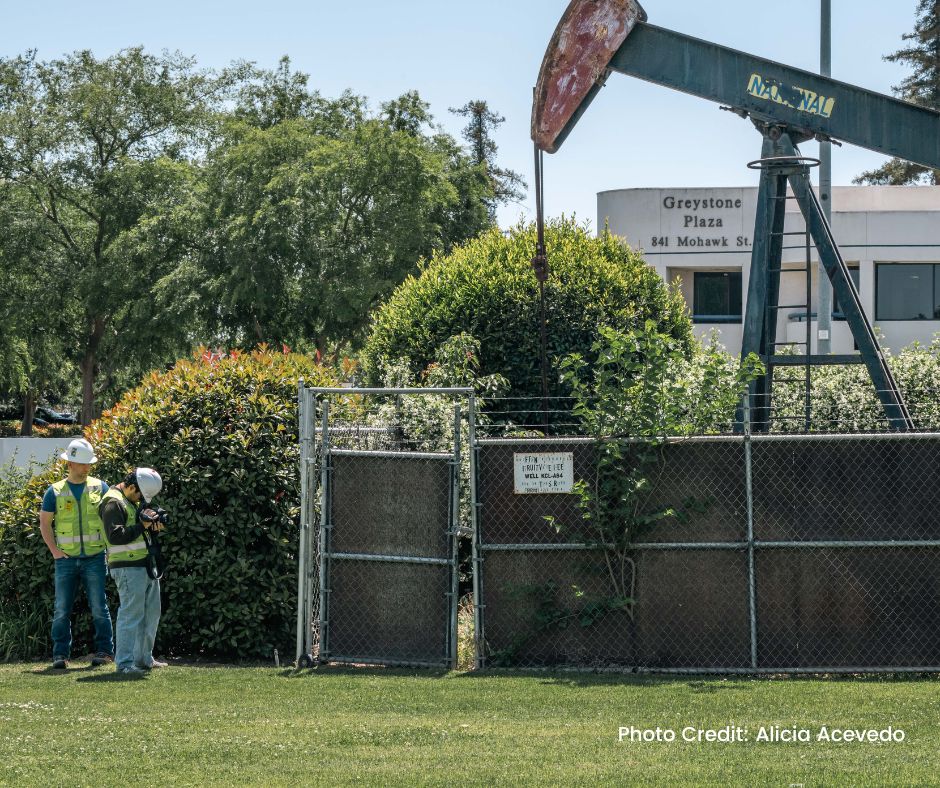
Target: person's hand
[[57, 554], [150, 525]]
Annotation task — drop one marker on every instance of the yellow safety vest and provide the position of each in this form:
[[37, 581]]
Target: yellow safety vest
[[125, 553], [77, 523]]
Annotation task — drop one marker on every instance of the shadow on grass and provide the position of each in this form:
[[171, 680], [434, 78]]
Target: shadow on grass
[[698, 683], [365, 670], [107, 678], [575, 678], [49, 671], [705, 683]]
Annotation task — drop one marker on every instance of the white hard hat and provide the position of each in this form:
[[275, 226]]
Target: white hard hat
[[79, 450], [148, 482]]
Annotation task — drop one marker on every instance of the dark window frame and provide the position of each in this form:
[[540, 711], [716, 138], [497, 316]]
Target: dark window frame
[[718, 318], [933, 289], [838, 314]]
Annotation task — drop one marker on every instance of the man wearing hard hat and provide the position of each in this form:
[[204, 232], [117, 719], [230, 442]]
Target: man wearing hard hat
[[124, 511], [74, 533]]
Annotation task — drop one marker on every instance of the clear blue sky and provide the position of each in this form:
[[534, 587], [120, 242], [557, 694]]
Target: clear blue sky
[[634, 134]]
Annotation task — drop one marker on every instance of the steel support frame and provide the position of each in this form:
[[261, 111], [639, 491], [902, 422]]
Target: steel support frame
[[849, 302], [761, 313], [760, 325]]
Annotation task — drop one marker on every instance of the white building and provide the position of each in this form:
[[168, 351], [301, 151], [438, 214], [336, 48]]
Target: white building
[[889, 237]]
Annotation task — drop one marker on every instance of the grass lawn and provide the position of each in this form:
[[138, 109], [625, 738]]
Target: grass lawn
[[267, 726]]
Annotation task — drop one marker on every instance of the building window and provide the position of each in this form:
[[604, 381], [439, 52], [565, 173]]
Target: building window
[[716, 297], [906, 291], [837, 312]]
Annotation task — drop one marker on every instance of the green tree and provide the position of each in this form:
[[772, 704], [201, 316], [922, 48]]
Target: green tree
[[506, 185], [99, 147], [268, 97], [643, 385], [315, 210], [922, 86], [35, 312], [844, 399]]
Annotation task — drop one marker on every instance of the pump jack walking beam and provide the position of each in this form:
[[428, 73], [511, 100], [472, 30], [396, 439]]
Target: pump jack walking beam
[[788, 106], [809, 105]]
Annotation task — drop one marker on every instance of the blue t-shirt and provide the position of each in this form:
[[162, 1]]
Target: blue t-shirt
[[48, 500]]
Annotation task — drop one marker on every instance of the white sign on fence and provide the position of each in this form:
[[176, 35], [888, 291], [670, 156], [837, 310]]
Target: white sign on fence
[[543, 472]]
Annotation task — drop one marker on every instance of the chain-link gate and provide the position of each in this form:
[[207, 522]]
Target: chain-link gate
[[380, 488]]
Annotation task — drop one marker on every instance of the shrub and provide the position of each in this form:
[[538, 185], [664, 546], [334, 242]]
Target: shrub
[[57, 431], [223, 435], [11, 429], [844, 400], [27, 589], [486, 289]]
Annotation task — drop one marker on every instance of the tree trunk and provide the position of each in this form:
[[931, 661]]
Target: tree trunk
[[88, 370], [29, 408]]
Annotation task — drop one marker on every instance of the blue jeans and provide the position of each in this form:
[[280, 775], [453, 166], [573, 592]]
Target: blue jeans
[[137, 617], [90, 570]]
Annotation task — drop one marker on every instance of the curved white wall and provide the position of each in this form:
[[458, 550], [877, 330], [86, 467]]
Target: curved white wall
[[682, 230], [27, 451]]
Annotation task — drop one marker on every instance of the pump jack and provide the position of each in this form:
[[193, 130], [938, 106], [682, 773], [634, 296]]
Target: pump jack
[[788, 106]]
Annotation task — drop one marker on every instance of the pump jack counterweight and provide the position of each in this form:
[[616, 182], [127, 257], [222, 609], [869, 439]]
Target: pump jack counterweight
[[788, 106]]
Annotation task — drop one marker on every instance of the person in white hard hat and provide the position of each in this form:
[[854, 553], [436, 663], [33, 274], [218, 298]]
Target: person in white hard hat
[[73, 531], [128, 559]]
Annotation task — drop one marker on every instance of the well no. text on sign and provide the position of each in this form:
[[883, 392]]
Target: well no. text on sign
[[543, 472]]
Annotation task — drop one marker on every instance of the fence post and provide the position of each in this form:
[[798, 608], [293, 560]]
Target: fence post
[[475, 557], [302, 556], [749, 490], [323, 621], [311, 562], [454, 537]]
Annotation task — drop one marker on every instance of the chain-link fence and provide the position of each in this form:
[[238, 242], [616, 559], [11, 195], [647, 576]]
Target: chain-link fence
[[718, 553], [378, 581], [748, 553]]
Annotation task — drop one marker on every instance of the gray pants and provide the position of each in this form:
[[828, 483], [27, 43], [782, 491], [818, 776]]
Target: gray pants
[[137, 617]]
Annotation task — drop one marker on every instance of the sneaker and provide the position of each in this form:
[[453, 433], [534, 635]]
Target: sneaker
[[154, 664], [132, 670], [60, 663], [101, 658]]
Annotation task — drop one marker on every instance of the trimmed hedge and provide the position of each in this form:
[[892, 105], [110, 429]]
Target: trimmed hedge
[[486, 288], [223, 435], [11, 429]]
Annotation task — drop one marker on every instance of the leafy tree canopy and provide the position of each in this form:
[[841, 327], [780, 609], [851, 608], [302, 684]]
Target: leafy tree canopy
[[921, 86], [315, 210], [98, 147]]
